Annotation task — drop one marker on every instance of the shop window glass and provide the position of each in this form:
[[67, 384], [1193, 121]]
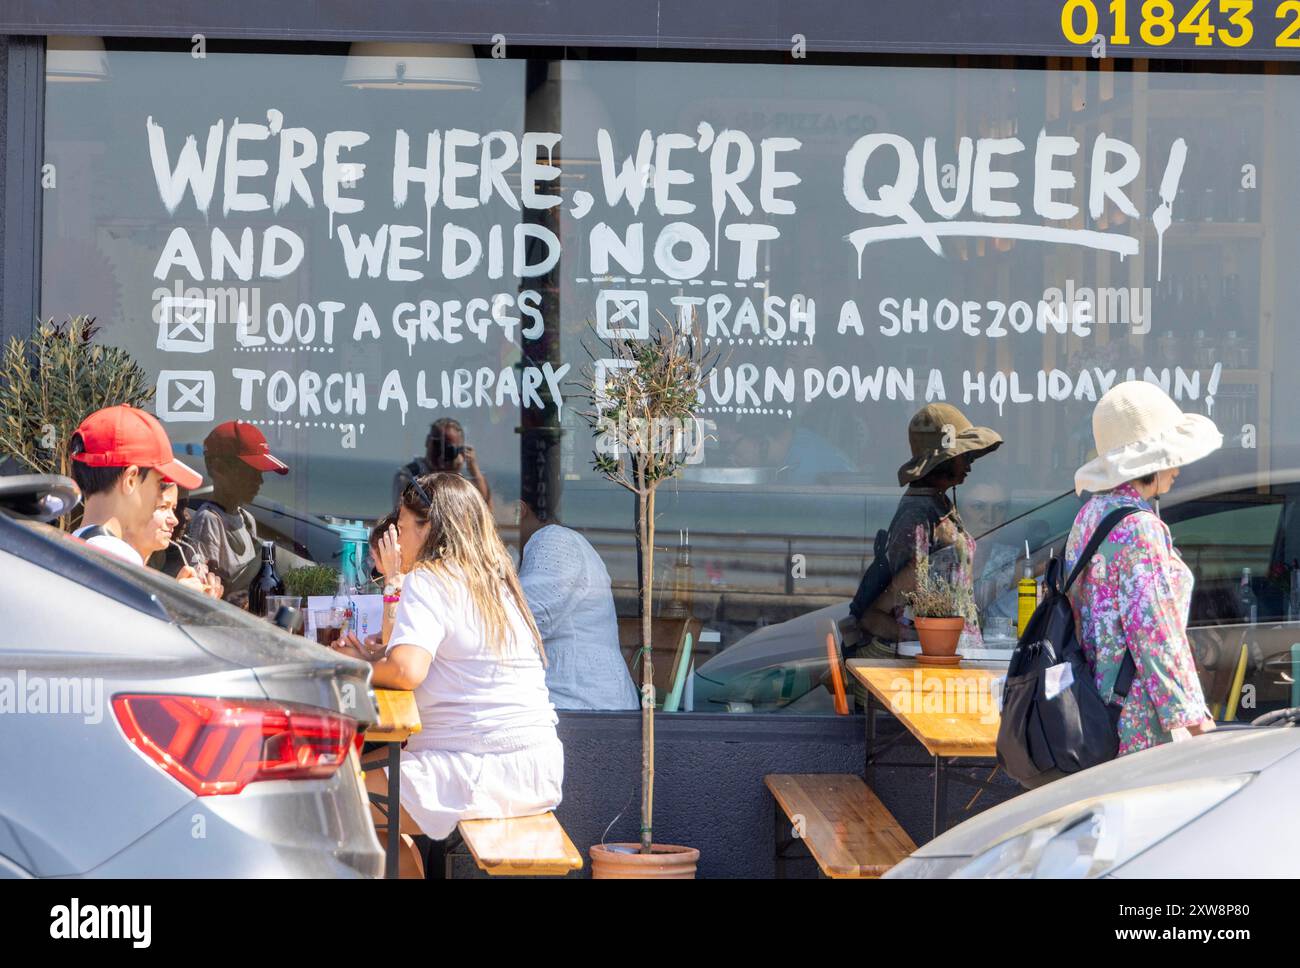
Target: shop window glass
[[1027, 270]]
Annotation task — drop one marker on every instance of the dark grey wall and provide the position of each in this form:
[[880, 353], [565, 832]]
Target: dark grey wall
[[4, 124], [22, 136], [709, 790]]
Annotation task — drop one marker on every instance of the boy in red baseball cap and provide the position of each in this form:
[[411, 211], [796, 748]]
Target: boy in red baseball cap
[[221, 528], [122, 461]]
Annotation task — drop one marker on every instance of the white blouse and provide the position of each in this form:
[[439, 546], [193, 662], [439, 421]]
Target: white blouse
[[478, 696]]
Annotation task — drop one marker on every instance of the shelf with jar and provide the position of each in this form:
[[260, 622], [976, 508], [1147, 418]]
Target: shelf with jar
[[1215, 302]]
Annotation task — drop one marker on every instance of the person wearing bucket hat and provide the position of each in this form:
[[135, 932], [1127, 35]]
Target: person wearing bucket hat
[[1135, 595], [944, 444], [221, 529]]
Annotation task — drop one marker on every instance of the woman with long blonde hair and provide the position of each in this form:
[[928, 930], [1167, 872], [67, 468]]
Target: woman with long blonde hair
[[465, 642]]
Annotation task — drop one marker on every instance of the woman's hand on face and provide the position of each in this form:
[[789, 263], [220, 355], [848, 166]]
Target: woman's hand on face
[[388, 554]]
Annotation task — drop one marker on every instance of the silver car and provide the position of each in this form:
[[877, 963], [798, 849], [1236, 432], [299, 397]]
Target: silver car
[[148, 731], [1219, 805]]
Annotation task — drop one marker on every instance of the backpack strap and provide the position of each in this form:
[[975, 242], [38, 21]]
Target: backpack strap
[[1128, 668], [94, 531], [1099, 535], [1123, 681]]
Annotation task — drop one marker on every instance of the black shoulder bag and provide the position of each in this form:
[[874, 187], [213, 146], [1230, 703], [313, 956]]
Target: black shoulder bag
[[1041, 739]]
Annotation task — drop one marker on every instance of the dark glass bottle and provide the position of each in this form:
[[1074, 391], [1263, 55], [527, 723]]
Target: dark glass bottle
[[266, 582]]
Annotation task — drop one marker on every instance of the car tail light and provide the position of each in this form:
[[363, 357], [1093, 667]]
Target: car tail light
[[215, 746]]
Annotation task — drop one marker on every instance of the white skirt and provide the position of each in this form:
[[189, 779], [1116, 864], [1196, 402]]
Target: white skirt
[[441, 787]]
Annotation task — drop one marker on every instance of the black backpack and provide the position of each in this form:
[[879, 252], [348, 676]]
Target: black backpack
[[1042, 739]]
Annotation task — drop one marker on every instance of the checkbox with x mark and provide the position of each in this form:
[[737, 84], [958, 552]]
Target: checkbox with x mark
[[186, 324], [185, 395]]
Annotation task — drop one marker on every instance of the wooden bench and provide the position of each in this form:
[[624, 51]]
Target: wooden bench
[[534, 846], [840, 820]]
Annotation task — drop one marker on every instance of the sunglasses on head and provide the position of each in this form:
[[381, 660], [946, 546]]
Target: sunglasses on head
[[421, 492]]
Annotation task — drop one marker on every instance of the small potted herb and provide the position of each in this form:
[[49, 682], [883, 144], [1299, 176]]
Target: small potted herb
[[311, 580], [941, 603]]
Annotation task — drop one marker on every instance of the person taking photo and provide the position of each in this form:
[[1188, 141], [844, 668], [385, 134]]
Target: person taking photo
[[445, 451]]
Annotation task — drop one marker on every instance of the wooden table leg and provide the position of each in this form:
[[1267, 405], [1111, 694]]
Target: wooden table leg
[[868, 771], [394, 809], [779, 840]]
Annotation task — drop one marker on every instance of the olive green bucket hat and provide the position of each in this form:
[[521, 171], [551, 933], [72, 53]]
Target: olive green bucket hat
[[939, 432]]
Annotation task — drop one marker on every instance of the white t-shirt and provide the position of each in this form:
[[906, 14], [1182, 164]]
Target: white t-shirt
[[476, 697], [110, 545]]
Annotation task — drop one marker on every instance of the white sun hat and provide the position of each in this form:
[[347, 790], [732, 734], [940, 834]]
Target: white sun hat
[[1139, 430]]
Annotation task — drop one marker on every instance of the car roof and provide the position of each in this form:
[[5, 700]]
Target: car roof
[[73, 561], [1221, 753]]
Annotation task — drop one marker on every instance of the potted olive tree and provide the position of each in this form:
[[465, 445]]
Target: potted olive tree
[[645, 394], [52, 381], [941, 602]]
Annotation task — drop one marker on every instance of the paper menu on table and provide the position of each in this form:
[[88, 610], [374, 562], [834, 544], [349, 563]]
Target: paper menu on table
[[369, 619]]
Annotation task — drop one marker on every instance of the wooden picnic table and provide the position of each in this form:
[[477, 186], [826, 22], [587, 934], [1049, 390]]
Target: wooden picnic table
[[950, 710], [399, 719]]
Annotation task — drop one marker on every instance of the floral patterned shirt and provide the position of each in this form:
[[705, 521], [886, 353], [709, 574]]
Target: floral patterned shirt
[[1136, 596]]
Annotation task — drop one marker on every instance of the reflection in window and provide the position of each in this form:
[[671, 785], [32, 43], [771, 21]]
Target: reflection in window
[[425, 290]]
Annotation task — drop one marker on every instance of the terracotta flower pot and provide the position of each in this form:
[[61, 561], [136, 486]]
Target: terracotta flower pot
[[939, 636], [625, 861]]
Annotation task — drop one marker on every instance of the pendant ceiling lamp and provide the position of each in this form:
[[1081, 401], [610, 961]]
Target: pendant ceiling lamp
[[75, 60], [411, 67]]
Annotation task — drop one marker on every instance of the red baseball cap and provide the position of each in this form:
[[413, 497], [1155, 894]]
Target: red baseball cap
[[235, 438], [121, 436]]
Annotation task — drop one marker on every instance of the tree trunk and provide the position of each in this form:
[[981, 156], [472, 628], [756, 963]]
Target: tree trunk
[[645, 557]]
